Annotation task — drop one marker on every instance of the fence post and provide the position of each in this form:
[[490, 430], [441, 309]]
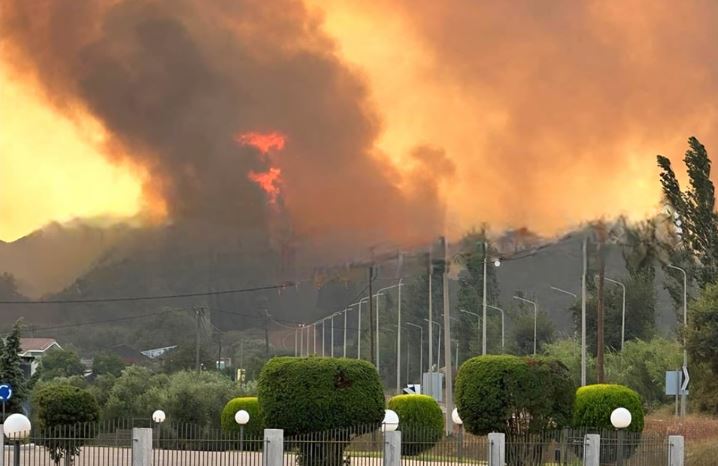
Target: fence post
[[591, 450], [676, 452], [141, 447], [2, 446], [392, 448], [497, 449], [273, 447]]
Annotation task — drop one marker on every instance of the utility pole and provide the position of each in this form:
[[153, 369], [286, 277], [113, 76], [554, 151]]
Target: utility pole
[[431, 318], [371, 317], [484, 304], [600, 373], [199, 313], [266, 333], [583, 310], [448, 396]]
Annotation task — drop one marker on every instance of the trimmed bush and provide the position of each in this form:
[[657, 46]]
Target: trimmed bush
[[421, 422], [595, 403], [255, 426], [513, 395], [60, 410], [305, 395]]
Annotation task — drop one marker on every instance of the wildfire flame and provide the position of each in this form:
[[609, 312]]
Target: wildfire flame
[[262, 141], [268, 181]]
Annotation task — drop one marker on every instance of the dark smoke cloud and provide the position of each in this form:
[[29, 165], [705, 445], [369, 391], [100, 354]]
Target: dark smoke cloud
[[173, 81]]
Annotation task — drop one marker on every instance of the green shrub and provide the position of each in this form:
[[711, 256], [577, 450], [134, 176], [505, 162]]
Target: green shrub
[[513, 395], [516, 396], [305, 395], [60, 408], [421, 422], [254, 427], [595, 403]]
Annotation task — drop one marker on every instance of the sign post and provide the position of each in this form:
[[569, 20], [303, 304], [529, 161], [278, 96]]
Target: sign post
[[5, 395]]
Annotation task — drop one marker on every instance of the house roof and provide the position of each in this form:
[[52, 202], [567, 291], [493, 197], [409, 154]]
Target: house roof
[[37, 344]]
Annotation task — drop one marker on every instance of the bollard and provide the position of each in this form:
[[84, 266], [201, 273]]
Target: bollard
[[141, 447], [273, 447], [392, 448], [591, 450], [676, 451], [497, 449]]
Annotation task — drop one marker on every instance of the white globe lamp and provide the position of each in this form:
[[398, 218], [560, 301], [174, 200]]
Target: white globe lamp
[[456, 418], [17, 427], [621, 418], [390, 422], [497, 262], [159, 416], [241, 417]]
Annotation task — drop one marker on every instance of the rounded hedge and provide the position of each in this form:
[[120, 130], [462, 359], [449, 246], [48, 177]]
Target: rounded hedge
[[421, 422], [254, 428], [303, 395], [595, 403], [513, 395], [66, 407]]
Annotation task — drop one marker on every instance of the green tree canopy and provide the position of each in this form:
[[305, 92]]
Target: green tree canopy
[[107, 363], [702, 338], [60, 363], [62, 405]]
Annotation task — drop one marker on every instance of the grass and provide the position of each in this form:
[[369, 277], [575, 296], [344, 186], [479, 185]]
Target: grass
[[700, 432]]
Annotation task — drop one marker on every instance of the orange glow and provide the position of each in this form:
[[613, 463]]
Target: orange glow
[[54, 168], [262, 141], [268, 181]]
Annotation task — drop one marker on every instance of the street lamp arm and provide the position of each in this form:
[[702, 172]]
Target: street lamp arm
[[561, 290]]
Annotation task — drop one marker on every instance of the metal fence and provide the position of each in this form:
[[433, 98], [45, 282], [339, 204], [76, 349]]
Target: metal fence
[[111, 444], [191, 445], [355, 446], [566, 447], [89, 444], [421, 446]]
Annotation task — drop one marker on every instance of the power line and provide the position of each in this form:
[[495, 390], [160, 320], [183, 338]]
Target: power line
[[105, 321], [153, 298]]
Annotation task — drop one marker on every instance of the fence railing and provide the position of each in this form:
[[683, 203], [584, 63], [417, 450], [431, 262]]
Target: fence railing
[[122, 443]]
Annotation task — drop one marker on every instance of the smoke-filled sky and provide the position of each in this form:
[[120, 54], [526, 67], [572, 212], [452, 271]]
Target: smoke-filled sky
[[401, 118]]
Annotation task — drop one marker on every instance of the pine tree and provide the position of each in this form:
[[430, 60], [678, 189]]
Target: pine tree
[[695, 219], [11, 370]]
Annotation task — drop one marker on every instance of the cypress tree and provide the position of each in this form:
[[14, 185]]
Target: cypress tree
[[11, 370]]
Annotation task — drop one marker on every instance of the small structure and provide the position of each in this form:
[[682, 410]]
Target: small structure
[[32, 350], [157, 352], [129, 355]]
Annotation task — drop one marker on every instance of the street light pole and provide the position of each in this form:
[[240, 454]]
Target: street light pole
[[583, 310], [685, 329], [421, 348], [438, 350], [345, 333], [503, 325], [623, 310], [535, 316], [323, 334], [331, 347], [398, 342], [483, 299]]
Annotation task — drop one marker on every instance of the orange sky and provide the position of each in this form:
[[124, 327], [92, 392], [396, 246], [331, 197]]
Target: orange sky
[[53, 168]]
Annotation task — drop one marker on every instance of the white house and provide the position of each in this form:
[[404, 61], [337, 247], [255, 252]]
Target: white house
[[32, 350]]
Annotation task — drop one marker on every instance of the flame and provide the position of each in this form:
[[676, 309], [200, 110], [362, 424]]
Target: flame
[[268, 181], [262, 141]]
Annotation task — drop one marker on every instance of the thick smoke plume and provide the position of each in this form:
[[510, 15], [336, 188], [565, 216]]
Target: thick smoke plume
[[552, 111], [175, 81]]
